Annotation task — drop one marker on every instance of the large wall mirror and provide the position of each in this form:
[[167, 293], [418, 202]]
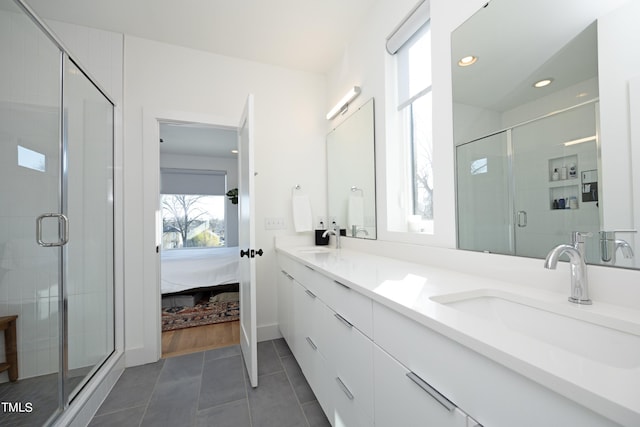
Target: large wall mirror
[[351, 173], [546, 109]]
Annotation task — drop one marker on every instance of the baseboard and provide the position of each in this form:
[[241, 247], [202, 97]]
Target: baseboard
[[268, 332], [139, 356]]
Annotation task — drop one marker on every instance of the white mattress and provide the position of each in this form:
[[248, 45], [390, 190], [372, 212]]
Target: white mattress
[[184, 269]]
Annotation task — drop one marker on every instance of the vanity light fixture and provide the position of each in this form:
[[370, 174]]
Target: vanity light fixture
[[580, 141], [542, 83], [234, 151], [343, 104], [467, 60]]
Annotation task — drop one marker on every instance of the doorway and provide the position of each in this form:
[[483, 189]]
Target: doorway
[[199, 255]]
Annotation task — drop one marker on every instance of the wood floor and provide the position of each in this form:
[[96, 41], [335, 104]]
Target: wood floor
[[200, 338]]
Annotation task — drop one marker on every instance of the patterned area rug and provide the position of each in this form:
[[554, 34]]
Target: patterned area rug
[[217, 310]]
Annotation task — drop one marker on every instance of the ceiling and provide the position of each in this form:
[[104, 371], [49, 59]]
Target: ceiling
[[522, 42], [306, 35], [197, 140]]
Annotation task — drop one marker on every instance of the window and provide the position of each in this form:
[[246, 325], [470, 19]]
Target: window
[[192, 221], [411, 136]]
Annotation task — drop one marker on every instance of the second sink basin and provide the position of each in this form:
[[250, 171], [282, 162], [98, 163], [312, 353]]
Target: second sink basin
[[605, 340]]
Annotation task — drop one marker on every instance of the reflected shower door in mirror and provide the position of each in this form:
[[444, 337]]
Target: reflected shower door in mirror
[[351, 173], [523, 190], [535, 84]]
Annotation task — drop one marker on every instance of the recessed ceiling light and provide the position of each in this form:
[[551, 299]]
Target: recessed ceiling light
[[542, 83], [467, 60]]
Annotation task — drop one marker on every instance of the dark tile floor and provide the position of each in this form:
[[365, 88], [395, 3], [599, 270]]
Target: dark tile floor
[[211, 389]]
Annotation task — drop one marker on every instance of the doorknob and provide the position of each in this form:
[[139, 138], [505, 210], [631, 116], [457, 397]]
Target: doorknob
[[243, 253], [259, 252]]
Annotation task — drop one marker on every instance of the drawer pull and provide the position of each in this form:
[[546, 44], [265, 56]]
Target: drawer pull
[[344, 388], [341, 284], [309, 267], [311, 294], [343, 320], [312, 344], [290, 277], [432, 391]]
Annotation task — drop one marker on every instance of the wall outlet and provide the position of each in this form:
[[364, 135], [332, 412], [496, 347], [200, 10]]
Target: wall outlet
[[274, 224]]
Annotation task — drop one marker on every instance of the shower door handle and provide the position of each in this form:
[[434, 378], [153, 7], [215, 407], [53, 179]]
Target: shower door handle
[[521, 219], [63, 224]]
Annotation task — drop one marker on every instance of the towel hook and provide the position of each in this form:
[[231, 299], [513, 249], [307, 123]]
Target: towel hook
[[354, 189], [297, 187]]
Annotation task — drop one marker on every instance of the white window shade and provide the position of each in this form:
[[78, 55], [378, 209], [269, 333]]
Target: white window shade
[[414, 66], [419, 16], [193, 181]]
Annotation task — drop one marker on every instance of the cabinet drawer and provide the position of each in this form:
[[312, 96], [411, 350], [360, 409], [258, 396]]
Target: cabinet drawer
[[349, 303], [345, 411], [287, 264], [350, 355], [400, 401]]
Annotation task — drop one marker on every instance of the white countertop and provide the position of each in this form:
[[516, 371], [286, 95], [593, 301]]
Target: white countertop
[[407, 288]]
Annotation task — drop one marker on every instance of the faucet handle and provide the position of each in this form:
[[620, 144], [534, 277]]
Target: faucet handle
[[580, 236]]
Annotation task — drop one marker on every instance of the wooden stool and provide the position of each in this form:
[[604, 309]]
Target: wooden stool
[[8, 325]]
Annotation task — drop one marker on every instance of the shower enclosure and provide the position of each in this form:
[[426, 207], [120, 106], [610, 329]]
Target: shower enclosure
[[56, 220], [523, 191]]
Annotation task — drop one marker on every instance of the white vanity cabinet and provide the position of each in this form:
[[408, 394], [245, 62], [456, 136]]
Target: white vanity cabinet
[[371, 363], [334, 355]]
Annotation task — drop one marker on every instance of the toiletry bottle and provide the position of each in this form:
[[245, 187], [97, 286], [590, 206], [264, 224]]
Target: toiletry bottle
[[555, 175], [555, 204], [560, 203], [563, 172]]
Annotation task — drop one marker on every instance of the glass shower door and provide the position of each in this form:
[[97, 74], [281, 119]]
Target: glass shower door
[[88, 202], [549, 158], [30, 186]]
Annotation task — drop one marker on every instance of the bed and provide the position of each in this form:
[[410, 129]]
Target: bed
[[186, 270]]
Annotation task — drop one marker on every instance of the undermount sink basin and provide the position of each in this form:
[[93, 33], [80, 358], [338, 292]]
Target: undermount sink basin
[[606, 340], [314, 251]]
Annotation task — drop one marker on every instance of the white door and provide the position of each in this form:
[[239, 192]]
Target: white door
[[246, 205]]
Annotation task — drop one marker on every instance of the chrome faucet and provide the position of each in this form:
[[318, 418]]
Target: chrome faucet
[[609, 246], [355, 230], [576, 253], [335, 232]]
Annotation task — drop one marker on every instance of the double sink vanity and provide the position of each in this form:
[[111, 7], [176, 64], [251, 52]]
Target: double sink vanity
[[386, 342]]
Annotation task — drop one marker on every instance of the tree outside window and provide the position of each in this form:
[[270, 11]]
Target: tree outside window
[[192, 221]]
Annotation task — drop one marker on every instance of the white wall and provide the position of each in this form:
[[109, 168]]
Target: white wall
[[289, 150]]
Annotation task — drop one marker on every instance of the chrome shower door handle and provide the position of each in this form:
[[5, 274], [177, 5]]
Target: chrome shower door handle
[[63, 224], [521, 219]]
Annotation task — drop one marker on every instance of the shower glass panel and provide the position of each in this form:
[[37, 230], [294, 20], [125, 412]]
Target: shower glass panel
[[56, 222], [550, 156], [484, 208], [30, 159], [88, 202]]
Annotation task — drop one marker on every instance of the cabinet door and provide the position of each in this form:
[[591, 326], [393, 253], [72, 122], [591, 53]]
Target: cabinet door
[[401, 401]]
